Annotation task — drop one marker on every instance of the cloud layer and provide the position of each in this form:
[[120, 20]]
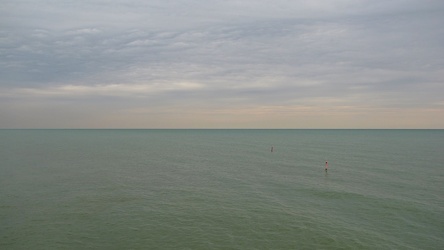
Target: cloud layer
[[194, 63]]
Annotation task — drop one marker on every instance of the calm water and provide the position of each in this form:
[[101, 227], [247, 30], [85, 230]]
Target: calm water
[[221, 189]]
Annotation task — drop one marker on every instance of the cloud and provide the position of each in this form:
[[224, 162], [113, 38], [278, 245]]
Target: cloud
[[111, 90], [225, 55]]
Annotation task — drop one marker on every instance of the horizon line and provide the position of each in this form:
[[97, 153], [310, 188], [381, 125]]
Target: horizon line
[[221, 128]]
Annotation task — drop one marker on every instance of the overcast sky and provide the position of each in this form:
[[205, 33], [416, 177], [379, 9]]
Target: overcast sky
[[222, 64]]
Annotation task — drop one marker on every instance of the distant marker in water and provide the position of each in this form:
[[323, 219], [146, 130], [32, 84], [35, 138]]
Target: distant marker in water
[[326, 166], [272, 148]]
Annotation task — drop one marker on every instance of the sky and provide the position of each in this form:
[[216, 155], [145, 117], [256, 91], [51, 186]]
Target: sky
[[222, 64]]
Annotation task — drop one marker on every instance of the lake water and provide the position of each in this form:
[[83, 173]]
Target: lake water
[[221, 189]]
